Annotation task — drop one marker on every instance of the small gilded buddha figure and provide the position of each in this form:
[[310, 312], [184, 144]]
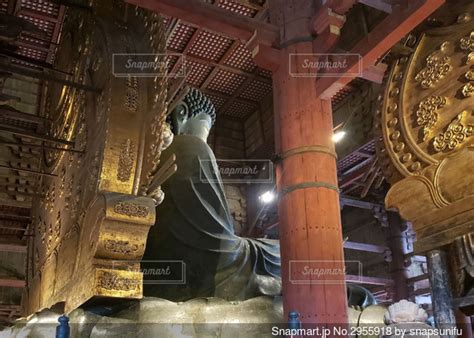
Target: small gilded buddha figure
[[194, 224]]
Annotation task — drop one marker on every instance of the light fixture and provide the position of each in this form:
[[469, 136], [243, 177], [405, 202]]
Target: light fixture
[[338, 136], [267, 197]]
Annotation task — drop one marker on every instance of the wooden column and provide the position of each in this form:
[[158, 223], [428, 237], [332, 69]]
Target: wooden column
[[441, 295], [464, 324], [309, 212], [397, 242]]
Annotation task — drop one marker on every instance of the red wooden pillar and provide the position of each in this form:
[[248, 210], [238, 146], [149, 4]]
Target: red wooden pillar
[[309, 213]]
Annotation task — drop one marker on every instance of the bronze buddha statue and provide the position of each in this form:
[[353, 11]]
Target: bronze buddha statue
[[194, 224]]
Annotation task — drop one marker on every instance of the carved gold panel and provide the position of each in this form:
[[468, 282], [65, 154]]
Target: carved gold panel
[[92, 218], [427, 122]]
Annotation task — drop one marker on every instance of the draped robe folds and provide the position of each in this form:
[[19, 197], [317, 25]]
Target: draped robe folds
[[194, 225]]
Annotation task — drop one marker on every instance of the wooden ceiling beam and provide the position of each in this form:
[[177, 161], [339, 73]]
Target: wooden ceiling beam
[[13, 225], [392, 29], [27, 171], [12, 245], [36, 136], [381, 249], [37, 15], [349, 179], [56, 31], [375, 73], [340, 6], [14, 203], [235, 94], [13, 6], [368, 280], [16, 186], [251, 4], [381, 5], [17, 193], [171, 29], [214, 18], [11, 112], [226, 97], [220, 65], [10, 307], [12, 283], [352, 202]]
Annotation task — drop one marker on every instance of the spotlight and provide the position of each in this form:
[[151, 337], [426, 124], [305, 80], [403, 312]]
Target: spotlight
[[267, 197], [338, 136]]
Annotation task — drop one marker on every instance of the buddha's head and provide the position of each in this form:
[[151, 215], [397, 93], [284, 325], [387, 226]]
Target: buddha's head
[[194, 115]]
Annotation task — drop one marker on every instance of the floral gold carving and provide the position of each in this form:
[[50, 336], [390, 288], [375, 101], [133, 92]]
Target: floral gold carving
[[426, 113], [131, 209], [467, 42], [470, 58], [467, 89], [454, 135], [125, 164], [437, 66], [469, 75], [118, 246], [429, 165], [111, 281], [131, 98]]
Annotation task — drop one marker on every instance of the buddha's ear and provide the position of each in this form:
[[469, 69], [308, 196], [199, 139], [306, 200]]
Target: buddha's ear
[[178, 117]]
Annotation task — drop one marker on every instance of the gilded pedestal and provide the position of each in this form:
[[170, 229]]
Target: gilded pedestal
[[427, 119], [92, 218]]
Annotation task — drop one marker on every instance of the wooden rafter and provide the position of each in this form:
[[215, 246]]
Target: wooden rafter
[[225, 67], [392, 29], [12, 245], [55, 35], [220, 64], [243, 86], [12, 283], [381, 249], [38, 15], [381, 5], [236, 94], [213, 18], [368, 280], [225, 97]]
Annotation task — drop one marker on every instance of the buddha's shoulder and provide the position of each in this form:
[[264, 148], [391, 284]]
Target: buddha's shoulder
[[188, 142], [187, 147]]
